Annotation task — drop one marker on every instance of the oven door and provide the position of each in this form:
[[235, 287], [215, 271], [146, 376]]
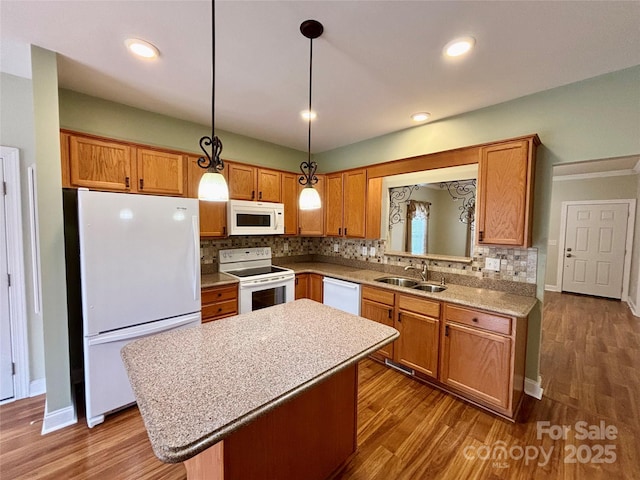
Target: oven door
[[257, 294]]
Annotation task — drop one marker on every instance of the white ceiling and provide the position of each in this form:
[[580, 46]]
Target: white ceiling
[[376, 63]]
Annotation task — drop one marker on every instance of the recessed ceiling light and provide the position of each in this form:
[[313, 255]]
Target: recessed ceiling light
[[141, 48], [420, 116], [459, 46], [308, 115]]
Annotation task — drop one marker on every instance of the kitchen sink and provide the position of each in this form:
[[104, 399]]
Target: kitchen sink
[[400, 281], [429, 287]]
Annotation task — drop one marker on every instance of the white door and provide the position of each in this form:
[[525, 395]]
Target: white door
[[6, 358], [595, 249]]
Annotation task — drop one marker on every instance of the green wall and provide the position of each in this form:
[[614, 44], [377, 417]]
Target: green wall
[[593, 119], [50, 227], [101, 117], [17, 130]]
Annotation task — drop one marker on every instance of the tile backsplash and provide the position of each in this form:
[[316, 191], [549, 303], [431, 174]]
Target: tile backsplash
[[516, 264]]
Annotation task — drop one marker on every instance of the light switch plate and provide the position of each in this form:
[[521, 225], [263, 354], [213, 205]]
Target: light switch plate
[[372, 251], [364, 251], [336, 247], [492, 264]]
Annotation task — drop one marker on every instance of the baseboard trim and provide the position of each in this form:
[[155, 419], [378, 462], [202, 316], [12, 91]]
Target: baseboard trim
[[533, 388], [633, 307], [552, 288], [59, 418], [37, 387]]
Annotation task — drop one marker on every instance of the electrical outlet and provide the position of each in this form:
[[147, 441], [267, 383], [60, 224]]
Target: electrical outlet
[[286, 246], [364, 251], [492, 264], [372, 251], [336, 247]]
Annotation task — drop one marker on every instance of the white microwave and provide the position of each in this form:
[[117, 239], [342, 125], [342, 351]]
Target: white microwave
[[255, 218]]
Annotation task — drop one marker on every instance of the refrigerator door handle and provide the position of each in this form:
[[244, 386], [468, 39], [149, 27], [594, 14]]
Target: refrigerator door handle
[[139, 331], [196, 257]]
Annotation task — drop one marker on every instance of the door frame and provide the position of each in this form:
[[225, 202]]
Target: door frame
[[15, 263], [631, 202]]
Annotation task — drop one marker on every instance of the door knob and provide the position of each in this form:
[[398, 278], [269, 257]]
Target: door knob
[[568, 255], [569, 249]]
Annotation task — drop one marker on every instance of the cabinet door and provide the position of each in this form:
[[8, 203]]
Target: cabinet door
[[302, 285], [505, 185], [333, 205], [380, 313], [290, 201], [355, 198], [242, 181], [268, 185], [417, 347], [160, 172], [315, 287], [99, 165], [213, 215], [311, 222], [477, 363]]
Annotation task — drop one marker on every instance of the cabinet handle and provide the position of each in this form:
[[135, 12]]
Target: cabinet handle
[[224, 230], [253, 194], [299, 230], [219, 295], [474, 320], [345, 232], [339, 231], [259, 195], [126, 182], [219, 309], [297, 281], [400, 317], [480, 236], [141, 183], [390, 313], [446, 331]]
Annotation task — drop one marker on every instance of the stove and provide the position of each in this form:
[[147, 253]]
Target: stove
[[261, 284]]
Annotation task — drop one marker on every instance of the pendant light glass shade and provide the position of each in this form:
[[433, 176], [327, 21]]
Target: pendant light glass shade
[[213, 188], [309, 199]]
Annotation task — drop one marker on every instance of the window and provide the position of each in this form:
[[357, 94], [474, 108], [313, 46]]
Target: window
[[417, 227]]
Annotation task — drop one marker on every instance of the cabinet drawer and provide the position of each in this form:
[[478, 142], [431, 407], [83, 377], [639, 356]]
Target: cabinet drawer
[[219, 294], [378, 295], [475, 318], [220, 309], [419, 305]]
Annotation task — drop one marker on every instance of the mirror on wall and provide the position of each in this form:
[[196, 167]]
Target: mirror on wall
[[430, 213]]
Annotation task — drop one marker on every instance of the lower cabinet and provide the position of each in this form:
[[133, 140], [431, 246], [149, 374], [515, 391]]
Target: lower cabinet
[[219, 302], [472, 353], [309, 285]]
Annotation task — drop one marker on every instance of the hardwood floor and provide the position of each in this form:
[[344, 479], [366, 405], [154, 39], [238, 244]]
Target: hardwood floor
[[590, 365]]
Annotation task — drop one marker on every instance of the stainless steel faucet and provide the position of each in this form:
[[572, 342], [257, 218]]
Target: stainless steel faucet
[[423, 273]]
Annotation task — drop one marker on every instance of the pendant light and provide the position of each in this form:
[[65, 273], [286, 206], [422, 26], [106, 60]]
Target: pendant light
[[309, 197], [213, 187]]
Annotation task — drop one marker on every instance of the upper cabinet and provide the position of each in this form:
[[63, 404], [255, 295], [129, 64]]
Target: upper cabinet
[[505, 192], [251, 183], [213, 215], [101, 164], [97, 164], [345, 209], [289, 196]]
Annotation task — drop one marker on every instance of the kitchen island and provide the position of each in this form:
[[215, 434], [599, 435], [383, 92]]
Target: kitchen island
[[267, 394]]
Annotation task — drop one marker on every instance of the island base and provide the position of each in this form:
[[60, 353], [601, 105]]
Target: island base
[[311, 436]]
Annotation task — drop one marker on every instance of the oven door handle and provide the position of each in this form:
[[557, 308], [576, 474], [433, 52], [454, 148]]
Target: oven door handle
[[277, 281]]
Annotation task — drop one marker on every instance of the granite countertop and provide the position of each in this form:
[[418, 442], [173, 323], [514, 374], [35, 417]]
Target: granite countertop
[[482, 298], [216, 280], [197, 385]]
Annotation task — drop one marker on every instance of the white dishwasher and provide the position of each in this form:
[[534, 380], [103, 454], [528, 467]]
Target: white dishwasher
[[342, 295]]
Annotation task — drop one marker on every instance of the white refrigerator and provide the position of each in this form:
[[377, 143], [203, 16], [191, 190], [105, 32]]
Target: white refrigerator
[[139, 275]]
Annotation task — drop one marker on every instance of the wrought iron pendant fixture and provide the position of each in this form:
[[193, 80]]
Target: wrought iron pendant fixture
[[309, 196], [213, 186]]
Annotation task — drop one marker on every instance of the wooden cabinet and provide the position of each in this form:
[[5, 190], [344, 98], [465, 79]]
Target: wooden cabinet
[[311, 222], [505, 192], [213, 215], [98, 164], [309, 285], [483, 357], [103, 164], [289, 196], [160, 173], [219, 302], [345, 209], [418, 322], [251, 183], [379, 305]]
